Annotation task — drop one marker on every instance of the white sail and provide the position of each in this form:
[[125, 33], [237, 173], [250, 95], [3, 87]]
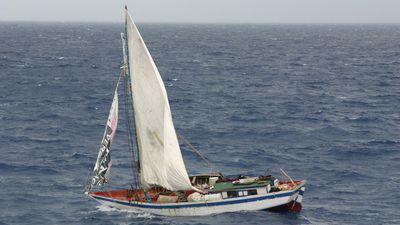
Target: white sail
[[161, 161], [103, 164]]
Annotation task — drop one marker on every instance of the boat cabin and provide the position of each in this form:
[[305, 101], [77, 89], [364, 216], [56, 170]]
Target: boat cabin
[[205, 179]]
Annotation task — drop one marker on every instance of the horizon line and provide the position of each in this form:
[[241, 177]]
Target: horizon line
[[199, 22]]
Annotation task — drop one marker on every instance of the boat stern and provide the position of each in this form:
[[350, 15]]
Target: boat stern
[[295, 202], [295, 205]]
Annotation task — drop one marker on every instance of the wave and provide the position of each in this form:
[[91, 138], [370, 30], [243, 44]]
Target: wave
[[329, 131], [28, 169], [39, 140], [362, 119], [385, 142], [131, 213]]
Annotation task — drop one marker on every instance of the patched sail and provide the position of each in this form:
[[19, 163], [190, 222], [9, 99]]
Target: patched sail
[[103, 164], [161, 161]]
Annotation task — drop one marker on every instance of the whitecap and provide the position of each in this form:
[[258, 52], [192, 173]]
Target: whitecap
[[146, 215], [131, 212], [105, 208], [353, 117]]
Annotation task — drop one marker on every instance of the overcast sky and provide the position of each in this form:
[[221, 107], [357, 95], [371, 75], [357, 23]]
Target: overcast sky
[[207, 11]]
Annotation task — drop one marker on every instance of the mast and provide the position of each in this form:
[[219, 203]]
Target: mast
[[129, 105]]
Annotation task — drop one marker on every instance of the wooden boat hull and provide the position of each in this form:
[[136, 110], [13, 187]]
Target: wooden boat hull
[[273, 200]]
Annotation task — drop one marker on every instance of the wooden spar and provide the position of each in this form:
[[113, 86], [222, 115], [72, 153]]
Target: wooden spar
[[284, 173]]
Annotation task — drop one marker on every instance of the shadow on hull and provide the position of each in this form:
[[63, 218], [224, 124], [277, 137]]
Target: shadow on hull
[[292, 206]]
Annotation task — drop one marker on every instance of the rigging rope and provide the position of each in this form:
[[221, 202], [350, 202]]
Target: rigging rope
[[130, 108], [191, 147], [127, 98]]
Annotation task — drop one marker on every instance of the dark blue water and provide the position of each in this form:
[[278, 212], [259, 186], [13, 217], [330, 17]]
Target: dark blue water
[[320, 101]]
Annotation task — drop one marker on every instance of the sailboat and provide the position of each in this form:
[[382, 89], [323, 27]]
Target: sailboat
[[162, 185]]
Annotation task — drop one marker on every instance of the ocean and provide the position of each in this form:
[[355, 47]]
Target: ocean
[[320, 101]]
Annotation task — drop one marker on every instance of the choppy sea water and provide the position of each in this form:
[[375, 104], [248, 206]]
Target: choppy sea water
[[320, 101]]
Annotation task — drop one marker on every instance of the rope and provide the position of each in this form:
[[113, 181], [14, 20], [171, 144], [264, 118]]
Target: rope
[[191, 147], [129, 126]]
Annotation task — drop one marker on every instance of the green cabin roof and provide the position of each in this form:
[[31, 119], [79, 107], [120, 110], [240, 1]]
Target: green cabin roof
[[227, 186]]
